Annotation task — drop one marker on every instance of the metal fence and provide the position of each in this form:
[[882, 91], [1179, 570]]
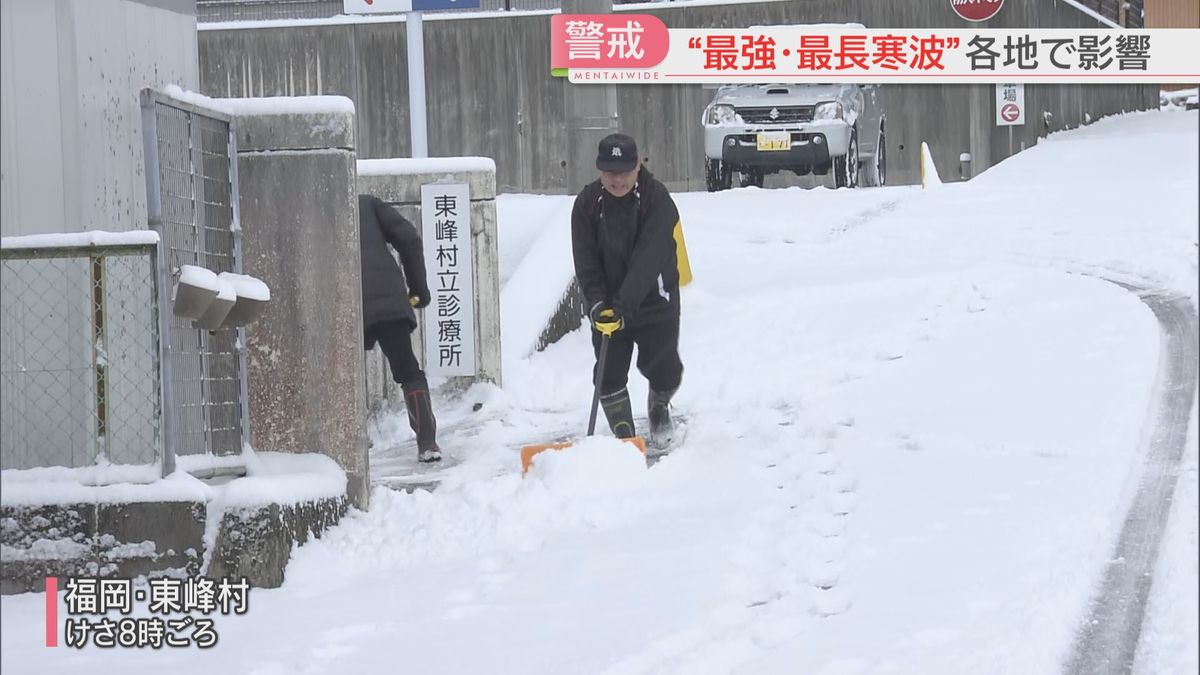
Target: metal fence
[[260, 10], [93, 362], [79, 356], [191, 179]]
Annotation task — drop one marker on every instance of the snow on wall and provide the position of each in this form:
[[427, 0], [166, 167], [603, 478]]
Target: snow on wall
[[271, 478], [410, 166], [265, 105], [81, 239]]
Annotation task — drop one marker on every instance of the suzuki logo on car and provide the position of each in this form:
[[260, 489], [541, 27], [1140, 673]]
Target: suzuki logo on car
[[774, 113]]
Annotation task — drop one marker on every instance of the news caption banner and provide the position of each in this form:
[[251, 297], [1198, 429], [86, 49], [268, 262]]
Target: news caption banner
[[170, 603], [631, 49]]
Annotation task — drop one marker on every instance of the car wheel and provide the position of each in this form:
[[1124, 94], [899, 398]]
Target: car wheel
[[845, 172], [717, 176], [753, 178]]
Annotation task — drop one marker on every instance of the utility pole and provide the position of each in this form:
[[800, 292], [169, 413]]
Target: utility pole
[[591, 111]]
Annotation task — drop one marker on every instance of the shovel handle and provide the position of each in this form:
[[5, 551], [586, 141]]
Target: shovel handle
[[599, 378]]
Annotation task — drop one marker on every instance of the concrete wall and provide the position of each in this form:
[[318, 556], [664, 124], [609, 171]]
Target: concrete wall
[[71, 160], [399, 184], [299, 216], [490, 93], [71, 135]]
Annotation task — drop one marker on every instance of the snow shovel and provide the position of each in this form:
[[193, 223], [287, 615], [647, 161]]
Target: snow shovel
[[530, 451]]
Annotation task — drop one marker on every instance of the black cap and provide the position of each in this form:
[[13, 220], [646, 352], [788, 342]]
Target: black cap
[[618, 153]]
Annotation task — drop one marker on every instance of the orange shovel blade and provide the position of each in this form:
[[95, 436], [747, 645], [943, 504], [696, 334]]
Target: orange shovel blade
[[530, 451]]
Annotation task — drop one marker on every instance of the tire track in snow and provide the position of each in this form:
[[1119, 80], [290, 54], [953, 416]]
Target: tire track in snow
[[1108, 639], [862, 218], [785, 568]]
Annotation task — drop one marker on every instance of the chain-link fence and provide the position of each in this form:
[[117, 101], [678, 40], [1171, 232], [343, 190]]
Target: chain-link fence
[[260, 10], [79, 356], [191, 174]]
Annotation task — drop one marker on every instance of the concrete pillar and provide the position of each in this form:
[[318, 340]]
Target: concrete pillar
[[299, 217], [591, 111], [398, 182]]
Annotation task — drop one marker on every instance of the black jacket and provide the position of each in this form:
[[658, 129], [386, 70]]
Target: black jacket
[[385, 290], [625, 249]]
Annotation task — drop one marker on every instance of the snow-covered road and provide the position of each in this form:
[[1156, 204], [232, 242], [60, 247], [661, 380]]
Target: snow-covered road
[[1109, 635], [915, 433]]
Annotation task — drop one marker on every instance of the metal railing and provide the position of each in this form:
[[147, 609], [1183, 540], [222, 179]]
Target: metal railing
[[79, 356], [192, 196], [94, 365]]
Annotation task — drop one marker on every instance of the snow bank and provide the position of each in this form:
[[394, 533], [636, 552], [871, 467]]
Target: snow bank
[[104, 484], [282, 478], [590, 467], [534, 286], [407, 166], [81, 239], [271, 478]]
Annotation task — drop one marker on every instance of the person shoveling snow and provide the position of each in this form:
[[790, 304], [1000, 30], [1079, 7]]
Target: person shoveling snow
[[622, 232]]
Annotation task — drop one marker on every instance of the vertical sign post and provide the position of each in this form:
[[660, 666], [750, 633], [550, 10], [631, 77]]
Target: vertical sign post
[[1010, 109], [449, 265], [415, 34]]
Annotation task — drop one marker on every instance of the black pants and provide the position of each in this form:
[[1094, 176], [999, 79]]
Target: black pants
[[658, 356], [395, 341]]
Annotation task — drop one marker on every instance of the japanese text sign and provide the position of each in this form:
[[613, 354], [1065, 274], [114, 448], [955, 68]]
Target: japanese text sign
[[450, 317]]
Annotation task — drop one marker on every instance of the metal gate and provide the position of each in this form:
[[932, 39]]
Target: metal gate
[[192, 199]]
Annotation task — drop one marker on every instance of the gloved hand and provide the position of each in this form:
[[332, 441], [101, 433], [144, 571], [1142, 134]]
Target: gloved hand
[[420, 298], [606, 319]]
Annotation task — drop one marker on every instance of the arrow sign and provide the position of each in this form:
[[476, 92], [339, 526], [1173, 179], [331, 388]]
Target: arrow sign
[[1010, 105]]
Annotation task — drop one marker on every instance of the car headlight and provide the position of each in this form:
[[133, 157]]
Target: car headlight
[[829, 111], [720, 114]]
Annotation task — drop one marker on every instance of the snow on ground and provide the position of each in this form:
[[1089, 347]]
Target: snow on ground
[[913, 429], [1169, 637]]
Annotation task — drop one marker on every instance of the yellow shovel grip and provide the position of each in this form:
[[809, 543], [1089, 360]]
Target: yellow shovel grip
[[608, 327]]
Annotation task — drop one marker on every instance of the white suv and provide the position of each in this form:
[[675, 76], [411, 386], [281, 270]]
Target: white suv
[[759, 129]]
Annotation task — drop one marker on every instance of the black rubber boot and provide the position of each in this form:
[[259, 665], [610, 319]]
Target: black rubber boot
[[662, 429], [420, 417], [619, 412]]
